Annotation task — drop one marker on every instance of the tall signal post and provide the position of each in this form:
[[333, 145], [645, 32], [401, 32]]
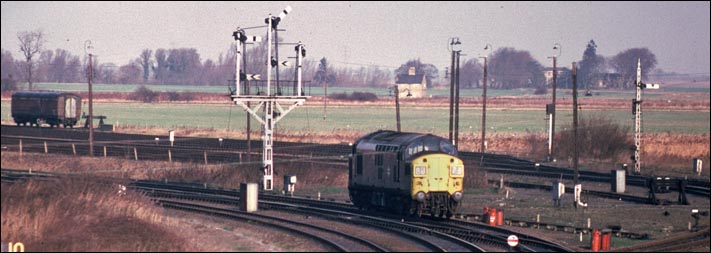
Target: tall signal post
[[269, 102], [241, 75], [550, 108], [637, 111]]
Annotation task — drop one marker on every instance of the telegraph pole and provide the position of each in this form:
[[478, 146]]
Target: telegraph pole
[[397, 107], [451, 100], [454, 45], [575, 125], [456, 104], [91, 98], [483, 108]]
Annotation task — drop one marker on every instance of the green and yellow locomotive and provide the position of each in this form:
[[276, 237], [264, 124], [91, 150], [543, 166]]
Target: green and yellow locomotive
[[409, 173]]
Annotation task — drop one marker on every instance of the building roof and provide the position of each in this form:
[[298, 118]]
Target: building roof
[[407, 79]]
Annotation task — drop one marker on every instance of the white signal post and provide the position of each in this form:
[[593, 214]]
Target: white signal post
[[637, 111], [269, 104]]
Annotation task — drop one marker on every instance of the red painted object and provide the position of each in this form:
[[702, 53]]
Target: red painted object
[[492, 216], [595, 240], [500, 218], [606, 238]]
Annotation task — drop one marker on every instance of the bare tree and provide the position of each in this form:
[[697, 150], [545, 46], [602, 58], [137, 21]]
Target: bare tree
[[31, 43], [471, 73], [511, 68], [591, 66], [146, 63], [625, 63]]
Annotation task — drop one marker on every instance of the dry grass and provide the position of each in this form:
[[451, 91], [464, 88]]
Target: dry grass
[[82, 214]]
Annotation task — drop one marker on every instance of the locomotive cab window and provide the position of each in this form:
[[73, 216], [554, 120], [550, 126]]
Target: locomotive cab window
[[430, 145]]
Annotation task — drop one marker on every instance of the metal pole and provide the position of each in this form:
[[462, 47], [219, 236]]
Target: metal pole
[[638, 119], [451, 101], [397, 107], [551, 149], [91, 110], [456, 104], [269, 55], [550, 136], [276, 57], [268, 163], [237, 66], [483, 111], [575, 125], [249, 119], [298, 65]]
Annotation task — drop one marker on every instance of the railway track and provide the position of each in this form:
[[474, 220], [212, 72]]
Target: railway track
[[213, 150], [334, 240], [507, 164], [199, 150], [677, 243], [435, 235]]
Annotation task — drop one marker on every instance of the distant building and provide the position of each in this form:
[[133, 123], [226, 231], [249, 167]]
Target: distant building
[[606, 80], [548, 74], [412, 83]]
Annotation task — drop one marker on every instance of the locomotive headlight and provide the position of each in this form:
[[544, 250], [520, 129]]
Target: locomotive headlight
[[457, 170], [420, 196], [420, 170], [457, 196]]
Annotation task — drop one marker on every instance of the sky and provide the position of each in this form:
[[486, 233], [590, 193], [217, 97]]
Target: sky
[[385, 34]]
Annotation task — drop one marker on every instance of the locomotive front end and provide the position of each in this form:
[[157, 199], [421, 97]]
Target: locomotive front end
[[437, 183]]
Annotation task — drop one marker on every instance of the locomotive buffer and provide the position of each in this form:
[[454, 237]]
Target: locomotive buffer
[[270, 102]]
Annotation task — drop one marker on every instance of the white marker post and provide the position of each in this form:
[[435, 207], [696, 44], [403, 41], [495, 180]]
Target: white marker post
[[512, 241]]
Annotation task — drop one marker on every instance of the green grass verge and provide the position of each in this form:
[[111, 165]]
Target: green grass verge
[[310, 118]]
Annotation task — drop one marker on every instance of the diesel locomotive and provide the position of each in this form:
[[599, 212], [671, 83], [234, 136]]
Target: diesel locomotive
[[409, 173]]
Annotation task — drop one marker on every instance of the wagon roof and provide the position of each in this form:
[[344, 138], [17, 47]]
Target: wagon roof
[[40, 94]]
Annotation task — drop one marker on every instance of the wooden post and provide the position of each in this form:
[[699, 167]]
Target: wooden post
[[205, 155], [170, 156], [20, 147], [135, 153], [45, 148], [104, 151], [74, 149]]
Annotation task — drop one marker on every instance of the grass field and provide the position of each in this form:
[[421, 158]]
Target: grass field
[[693, 93], [364, 118]]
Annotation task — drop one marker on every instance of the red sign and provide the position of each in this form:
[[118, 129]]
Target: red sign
[[512, 240]]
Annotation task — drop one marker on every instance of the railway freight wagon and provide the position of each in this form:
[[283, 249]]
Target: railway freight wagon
[[408, 173], [53, 108]]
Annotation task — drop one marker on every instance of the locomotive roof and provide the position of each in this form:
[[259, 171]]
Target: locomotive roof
[[393, 138], [48, 94]]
